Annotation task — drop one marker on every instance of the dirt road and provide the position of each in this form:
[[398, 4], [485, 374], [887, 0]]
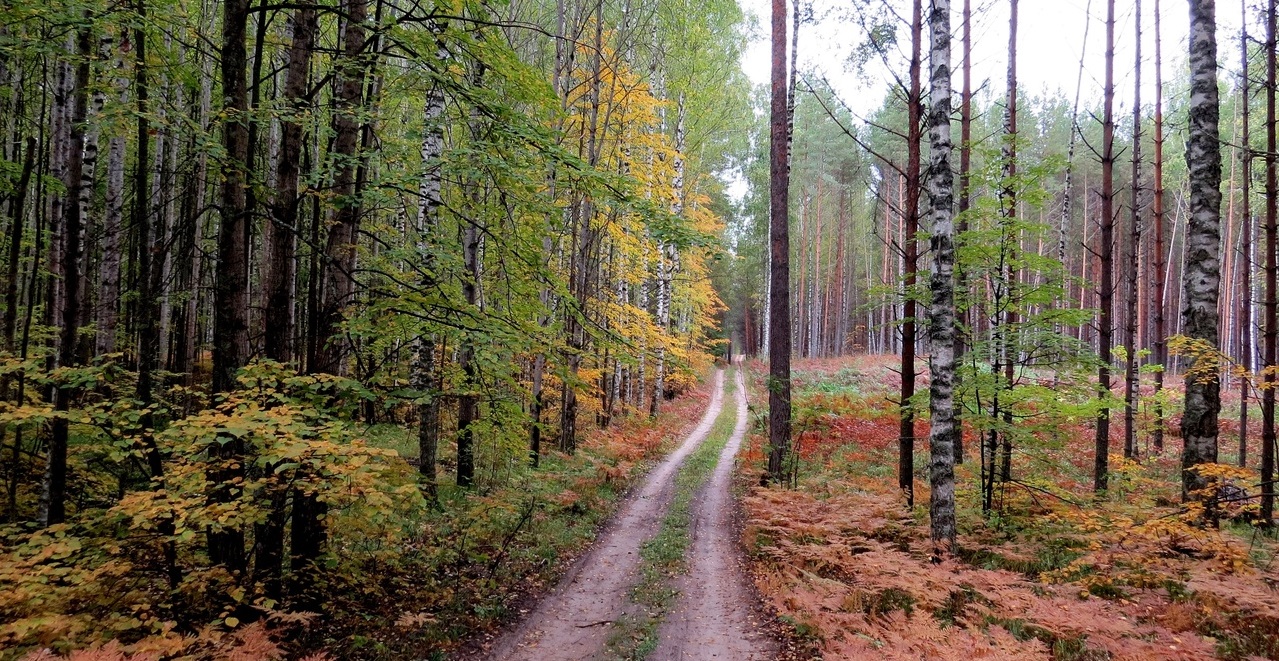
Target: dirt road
[[714, 614], [573, 622]]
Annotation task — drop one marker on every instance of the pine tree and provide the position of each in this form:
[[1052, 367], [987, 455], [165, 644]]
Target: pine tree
[[779, 348]]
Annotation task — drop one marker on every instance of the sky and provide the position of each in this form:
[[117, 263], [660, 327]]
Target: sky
[[1050, 37]]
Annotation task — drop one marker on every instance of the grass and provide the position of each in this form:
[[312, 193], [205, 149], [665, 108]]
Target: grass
[[663, 558]]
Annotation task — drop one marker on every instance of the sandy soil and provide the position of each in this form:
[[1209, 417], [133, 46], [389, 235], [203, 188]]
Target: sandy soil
[[573, 622], [716, 615]]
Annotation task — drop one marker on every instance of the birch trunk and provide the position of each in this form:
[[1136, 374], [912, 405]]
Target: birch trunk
[[53, 492], [941, 314], [425, 370], [1201, 279]]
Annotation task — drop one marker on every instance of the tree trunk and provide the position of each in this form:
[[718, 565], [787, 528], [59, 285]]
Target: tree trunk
[[1246, 350], [426, 368], [17, 216], [1201, 279], [779, 348], [1106, 323], [965, 202], [914, 140], [1067, 196], [1272, 272], [279, 268], [1010, 347], [1134, 239], [338, 290], [1161, 267], [941, 315], [231, 290], [53, 494]]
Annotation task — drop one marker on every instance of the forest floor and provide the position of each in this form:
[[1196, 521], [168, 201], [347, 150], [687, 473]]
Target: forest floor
[[1050, 573], [664, 580]]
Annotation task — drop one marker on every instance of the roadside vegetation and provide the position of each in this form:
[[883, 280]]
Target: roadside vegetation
[[1052, 572]]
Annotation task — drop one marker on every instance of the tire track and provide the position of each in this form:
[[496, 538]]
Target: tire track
[[716, 615], [572, 623]]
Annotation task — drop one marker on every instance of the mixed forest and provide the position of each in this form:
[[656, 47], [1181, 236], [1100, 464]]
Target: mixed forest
[[339, 328]]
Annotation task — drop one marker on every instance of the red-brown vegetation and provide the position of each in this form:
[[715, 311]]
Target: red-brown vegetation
[[1051, 574]]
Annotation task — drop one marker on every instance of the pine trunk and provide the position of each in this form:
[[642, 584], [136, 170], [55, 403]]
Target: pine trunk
[[779, 348], [1106, 323], [914, 140], [1161, 266], [1134, 239], [1272, 273]]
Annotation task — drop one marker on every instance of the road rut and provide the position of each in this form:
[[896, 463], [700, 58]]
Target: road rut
[[573, 622]]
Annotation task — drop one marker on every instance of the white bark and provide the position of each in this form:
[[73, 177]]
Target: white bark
[[1201, 279], [941, 313]]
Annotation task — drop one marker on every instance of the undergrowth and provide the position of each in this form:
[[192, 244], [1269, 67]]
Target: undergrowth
[[1052, 573]]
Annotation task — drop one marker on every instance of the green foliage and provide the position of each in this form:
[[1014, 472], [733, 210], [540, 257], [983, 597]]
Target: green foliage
[[103, 575]]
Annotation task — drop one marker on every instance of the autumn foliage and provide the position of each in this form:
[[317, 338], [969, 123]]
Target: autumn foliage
[[1051, 574]]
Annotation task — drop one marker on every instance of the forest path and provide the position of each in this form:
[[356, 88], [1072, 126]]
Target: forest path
[[716, 615], [573, 622]]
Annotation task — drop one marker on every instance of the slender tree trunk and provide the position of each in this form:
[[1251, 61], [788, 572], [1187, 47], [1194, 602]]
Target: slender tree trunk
[[941, 326], [338, 291], [109, 278], [1067, 197], [965, 202], [1009, 335], [279, 267], [17, 216], [666, 262], [1106, 323], [426, 368], [914, 140], [53, 495], [1272, 274], [779, 349], [1246, 350], [1201, 280], [1134, 239], [1161, 266]]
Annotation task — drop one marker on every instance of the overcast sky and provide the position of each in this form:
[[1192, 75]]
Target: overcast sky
[[1051, 34]]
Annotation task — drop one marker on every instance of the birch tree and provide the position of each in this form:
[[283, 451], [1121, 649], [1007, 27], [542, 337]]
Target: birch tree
[[941, 314], [1201, 281]]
